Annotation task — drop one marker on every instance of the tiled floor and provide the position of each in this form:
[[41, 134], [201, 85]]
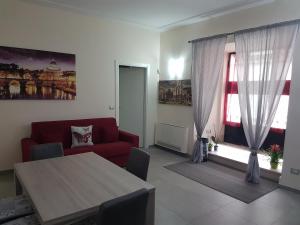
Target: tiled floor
[[181, 201]]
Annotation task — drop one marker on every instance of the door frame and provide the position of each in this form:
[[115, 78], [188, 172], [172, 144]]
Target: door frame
[[117, 88]]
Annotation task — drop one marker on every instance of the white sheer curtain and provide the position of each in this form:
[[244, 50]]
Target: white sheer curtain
[[263, 58], [207, 68]]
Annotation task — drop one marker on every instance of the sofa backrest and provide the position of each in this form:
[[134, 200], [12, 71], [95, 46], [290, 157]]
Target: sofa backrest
[[105, 130]]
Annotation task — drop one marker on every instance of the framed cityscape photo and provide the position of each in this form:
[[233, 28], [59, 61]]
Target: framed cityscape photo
[[178, 92], [35, 74]]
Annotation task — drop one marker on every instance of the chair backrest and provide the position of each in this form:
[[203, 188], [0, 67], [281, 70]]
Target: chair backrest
[[125, 210], [138, 163], [46, 151]]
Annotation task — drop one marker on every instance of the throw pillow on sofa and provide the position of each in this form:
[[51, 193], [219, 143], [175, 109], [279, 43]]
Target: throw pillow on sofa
[[81, 136]]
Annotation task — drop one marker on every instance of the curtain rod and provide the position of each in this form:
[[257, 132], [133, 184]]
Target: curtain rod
[[247, 30]]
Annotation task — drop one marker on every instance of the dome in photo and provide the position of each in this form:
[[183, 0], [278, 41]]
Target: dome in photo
[[53, 67]]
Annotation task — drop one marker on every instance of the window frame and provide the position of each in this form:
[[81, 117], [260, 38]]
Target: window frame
[[231, 87]]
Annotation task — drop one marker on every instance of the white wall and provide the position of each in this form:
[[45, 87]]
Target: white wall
[[174, 44], [96, 43]]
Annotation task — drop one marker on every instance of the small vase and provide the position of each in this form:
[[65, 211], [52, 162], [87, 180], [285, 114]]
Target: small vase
[[274, 165], [216, 147], [274, 160]]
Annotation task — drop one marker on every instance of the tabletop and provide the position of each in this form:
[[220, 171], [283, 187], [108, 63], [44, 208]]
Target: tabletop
[[71, 186]]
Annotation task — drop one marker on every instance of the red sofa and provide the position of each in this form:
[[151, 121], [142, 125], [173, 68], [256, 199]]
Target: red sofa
[[109, 142]]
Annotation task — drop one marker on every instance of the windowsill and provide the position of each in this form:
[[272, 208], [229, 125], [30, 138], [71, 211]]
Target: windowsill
[[241, 154]]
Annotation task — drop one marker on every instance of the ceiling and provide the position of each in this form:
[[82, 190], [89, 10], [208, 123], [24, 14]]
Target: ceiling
[[155, 14]]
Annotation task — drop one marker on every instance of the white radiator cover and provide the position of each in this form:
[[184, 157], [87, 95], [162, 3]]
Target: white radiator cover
[[172, 137]]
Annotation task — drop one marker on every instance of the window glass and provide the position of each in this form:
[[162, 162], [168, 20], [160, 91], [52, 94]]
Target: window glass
[[232, 69], [280, 118], [233, 113], [254, 70], [289, 75]]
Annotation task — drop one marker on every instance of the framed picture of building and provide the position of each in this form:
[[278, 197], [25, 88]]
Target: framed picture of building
[[177, 92], [35, 74]]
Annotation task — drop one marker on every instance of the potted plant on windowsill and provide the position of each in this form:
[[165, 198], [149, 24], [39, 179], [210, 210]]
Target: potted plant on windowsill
[[215, 140], [275, 154], [210, 146]]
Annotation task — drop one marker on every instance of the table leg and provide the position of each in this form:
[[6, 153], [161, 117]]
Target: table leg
[[19, 189], [150, 214]]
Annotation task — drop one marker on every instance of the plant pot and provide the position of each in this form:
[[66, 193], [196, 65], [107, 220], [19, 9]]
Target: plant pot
[[274, 165], [216, 148], [210, 148], [274, 158]]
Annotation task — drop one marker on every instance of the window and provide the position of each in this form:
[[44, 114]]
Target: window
[[232, 114]]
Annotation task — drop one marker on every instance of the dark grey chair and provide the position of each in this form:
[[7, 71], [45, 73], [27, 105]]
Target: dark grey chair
[[46, 151], [26, 220], [125, 210], [14, 207], [16, 210], [138, 163]]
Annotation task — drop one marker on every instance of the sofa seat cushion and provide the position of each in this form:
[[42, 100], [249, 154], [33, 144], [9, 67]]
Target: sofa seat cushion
[[106, 150]]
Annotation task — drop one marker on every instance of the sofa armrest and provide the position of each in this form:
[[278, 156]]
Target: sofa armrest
[[128, 137], [26, 144]]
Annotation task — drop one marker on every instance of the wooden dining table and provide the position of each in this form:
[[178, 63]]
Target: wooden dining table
[[70, 188]]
